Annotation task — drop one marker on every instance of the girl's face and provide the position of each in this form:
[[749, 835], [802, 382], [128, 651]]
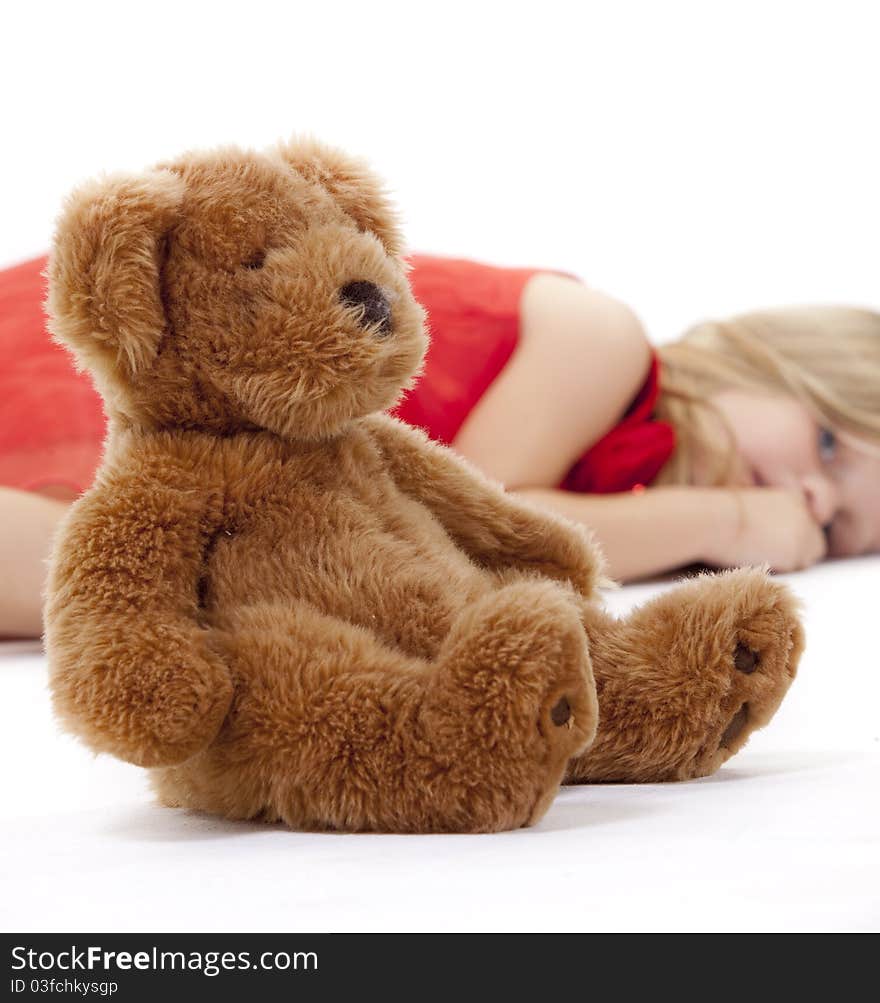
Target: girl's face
[[781, 445]]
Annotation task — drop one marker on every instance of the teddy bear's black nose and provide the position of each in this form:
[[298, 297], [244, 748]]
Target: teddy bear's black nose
[[375, 305]]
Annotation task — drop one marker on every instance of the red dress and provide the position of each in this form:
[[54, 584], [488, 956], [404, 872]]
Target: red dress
[[52, 423]]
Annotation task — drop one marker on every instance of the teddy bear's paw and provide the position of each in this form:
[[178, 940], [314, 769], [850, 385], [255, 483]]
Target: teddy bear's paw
[[169, 705], [761, 650], [187, 711], [512, 701], [689, 676]]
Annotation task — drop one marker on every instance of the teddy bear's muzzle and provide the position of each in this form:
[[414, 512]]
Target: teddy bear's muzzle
[[375, 305]]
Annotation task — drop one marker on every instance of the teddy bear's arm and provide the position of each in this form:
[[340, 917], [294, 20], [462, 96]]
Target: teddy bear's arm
[[496, 529], [131, 672]]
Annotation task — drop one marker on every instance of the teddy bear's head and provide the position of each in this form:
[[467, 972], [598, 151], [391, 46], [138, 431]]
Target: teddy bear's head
[[234, 290]]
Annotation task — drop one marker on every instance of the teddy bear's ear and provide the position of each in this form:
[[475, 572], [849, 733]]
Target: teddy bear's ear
[[105, 300], [352, 184]]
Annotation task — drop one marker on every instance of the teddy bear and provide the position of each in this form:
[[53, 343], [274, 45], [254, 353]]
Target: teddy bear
[[291, 606]]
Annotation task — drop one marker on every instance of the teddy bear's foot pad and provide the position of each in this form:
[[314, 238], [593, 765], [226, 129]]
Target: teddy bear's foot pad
[[734, 729], [746, 661]]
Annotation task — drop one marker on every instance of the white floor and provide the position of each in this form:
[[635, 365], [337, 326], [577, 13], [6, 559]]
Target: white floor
[[786, 837]]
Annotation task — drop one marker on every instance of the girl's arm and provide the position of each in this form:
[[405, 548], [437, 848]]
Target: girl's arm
[[652, 532], [27, 524], [664, 528]]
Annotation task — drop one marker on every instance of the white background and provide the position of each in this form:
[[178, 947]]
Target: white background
[[692, 158]]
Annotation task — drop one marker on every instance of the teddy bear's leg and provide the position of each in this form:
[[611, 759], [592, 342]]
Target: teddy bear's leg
[[685, 679], [330, 728], [513, 695]]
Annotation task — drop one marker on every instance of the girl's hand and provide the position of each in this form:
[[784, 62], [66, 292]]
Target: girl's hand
[[769, 526]]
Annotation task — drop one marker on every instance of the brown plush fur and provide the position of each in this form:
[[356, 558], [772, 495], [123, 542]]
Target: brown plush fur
[[293, 606], [673, 703]]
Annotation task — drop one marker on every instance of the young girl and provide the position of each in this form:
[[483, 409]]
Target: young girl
[[754, 440]]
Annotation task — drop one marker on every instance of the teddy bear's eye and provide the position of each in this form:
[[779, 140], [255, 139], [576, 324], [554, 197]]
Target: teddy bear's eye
[[255, 260]]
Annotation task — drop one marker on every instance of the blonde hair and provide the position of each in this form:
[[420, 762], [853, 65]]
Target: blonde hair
[[826, 357]]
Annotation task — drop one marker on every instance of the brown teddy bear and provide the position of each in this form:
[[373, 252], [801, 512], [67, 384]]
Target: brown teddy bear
[[293, 606]]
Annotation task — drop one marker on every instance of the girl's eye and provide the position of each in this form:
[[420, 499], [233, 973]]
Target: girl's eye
[[827, 445]]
